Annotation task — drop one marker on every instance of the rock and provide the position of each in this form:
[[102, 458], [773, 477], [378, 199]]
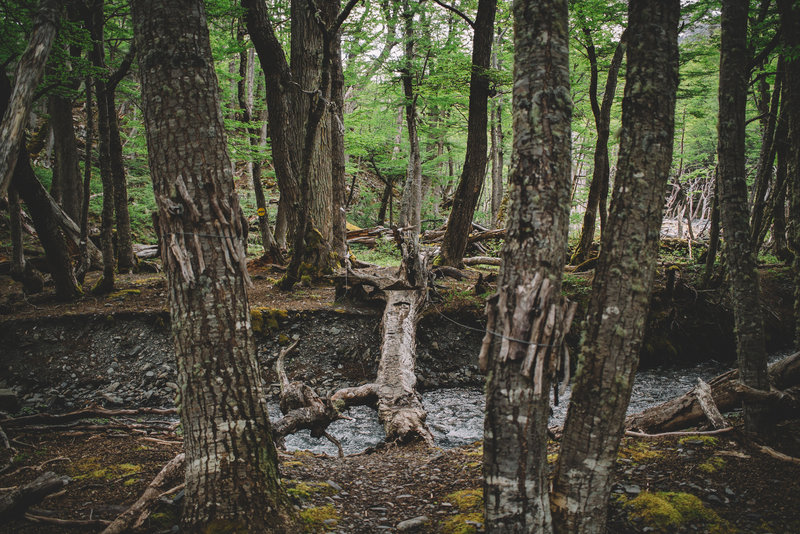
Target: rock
[[112, 399], [172, 385], [334, 485], [633, 489], [414, 524]]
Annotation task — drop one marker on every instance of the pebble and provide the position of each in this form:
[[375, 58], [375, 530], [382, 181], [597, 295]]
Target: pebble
[[334, 485], [410, 525], [633, 489]]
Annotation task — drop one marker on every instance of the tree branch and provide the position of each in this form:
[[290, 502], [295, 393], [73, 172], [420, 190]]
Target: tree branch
[[457, 12]]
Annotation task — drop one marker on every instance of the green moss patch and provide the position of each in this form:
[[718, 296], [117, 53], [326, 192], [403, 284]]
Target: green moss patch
[[303, 490], [264, 319], [320, 518], [712, 465], [462, 523], [90, 468], [638, 452], [669, 511]]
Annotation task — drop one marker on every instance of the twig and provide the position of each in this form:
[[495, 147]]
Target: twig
[[68, 522], [778, 455]]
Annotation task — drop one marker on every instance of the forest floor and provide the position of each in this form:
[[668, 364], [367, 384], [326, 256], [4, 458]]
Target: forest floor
[[724, 483]]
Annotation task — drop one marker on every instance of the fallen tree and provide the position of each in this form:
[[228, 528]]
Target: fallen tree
[[726, 392], [15, 503], [394, 392]]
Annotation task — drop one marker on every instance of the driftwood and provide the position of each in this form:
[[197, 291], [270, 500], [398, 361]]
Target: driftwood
[[135, 516], [726, 391], [15, 503], [302, 408], [394, 391]]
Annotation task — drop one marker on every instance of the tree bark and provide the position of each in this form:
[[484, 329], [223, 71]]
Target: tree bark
[[28, 73], [97, 54], [232, 479], [790, 33], [126, 259], [471, 183], [602, 170], [623, 280], [734, 215], [66, 172], [522, 362], [411, 201]]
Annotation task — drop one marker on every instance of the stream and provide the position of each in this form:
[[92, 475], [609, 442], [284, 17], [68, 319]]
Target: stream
[[455, 415]]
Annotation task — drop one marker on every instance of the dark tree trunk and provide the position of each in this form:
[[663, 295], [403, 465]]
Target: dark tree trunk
[[411, 201], [790, 32], [623, 280], [766, 159], [66, 172], [271, 249], [95, 24], [28, 73], [598, 190], [84, 260], [126, 259], [15, 228], [713, 237], [37, 200], [739, 254], [232, 479], [469, 188], [337, 156], [520, 372]]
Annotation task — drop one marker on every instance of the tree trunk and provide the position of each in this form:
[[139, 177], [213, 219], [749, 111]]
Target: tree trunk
[[602, 170], [95, 24], [411, 203], [790, 32], [15, 228], [713, 237], [521, 365], [624, 277], [39, 203], [739, 255], [126, 259], [28, 73], [232, 479], [469, 187], [66, 172], [337, 161]]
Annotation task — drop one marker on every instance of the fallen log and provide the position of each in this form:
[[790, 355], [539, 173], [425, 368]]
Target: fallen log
[[136, 515], [482, 260], [15, 503], [302, 408], [394, 393], [145, 252], [726, 392]]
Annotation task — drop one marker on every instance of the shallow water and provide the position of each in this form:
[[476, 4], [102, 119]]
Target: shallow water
[[455, 415]]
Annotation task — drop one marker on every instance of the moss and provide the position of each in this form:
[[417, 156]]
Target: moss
[[305, 280], [303, 490], [467, 500], [320, 518], [162, 520], [638, 452], [712, 465], [669, 511], [462, 523], [122, 293], [131, 482], [90, 468], [264, 319]]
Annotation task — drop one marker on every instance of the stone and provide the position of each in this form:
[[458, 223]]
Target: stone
[[334, 485], [413, 525], [633, 489]]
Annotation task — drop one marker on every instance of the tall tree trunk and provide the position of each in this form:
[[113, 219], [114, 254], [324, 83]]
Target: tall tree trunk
[[497, 143], [84, 258], [766, 160], [271, 249], [598, 190], [126, 259], [469, 188], [25, 182], [232, 479], [66, 172], [713, 234], [790, 32], [28, 73], [411, 202], [623, 280], [15, 228], [337, 156], [106, 283], [519, 372], [739, 254]]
